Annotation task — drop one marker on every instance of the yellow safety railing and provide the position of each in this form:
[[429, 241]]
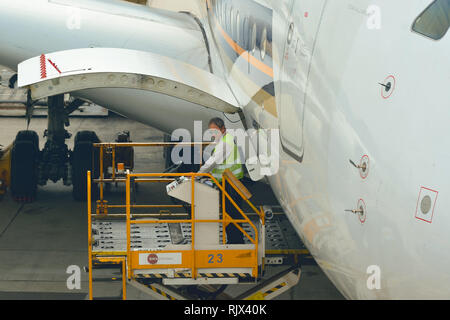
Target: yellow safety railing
[[115, 260], [226, 219], [111, 148], [192, 258]]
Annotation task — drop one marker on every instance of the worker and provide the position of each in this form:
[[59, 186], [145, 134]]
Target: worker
[[226, 156]]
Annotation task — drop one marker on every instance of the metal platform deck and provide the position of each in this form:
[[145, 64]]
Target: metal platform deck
[[110, 235]]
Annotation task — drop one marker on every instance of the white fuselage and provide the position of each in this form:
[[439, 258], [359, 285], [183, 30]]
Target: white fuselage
[[318, 81], [331, 73]]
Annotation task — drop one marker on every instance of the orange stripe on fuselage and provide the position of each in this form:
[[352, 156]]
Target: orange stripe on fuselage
[[245, 54]]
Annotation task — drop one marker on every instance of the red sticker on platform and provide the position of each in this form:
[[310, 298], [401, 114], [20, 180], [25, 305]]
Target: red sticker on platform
[[152, 258]]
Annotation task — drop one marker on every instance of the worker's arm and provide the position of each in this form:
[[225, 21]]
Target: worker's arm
[[223, 151]]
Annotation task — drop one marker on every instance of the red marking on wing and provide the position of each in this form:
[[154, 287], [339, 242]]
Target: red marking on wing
[[54, 65], [43, 67]]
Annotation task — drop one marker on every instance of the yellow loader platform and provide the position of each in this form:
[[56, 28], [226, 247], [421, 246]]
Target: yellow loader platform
[[164, 254]]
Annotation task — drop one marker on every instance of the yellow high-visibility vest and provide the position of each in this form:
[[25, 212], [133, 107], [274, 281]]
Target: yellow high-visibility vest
[[233, 161]]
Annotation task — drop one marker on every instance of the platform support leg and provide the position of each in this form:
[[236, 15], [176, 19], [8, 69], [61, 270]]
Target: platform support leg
[[275, 286], [157, 291], [89, 207], [124, 280]]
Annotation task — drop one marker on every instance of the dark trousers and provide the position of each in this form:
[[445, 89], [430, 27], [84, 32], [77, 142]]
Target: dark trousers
[[234, 235]]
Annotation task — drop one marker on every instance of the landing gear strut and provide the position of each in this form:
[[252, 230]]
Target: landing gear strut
[[31, 167], [54, 164]]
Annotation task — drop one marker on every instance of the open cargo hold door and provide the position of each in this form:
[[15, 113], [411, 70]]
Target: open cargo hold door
[[99, 68]]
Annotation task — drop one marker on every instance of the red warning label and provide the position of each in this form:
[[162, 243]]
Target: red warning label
[[152, 258]]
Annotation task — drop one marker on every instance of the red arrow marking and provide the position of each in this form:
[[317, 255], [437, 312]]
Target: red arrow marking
[[54, 65]]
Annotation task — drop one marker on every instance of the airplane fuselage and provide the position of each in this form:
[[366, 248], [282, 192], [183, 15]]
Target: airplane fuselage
[[344, 84], [344, 81]]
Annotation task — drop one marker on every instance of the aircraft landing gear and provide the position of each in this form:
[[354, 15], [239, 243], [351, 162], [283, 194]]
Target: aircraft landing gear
[[55, 156], [24, 166], [83, 157], [31, 167]]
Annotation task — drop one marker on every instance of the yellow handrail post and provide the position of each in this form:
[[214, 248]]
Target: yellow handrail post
[[194, 271], [89, 204], [113, 152], [102, 176], [224, 236], [255, 269], [128, 212], [124, 280]]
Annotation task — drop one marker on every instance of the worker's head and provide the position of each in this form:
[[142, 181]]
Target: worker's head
[[217, 126]]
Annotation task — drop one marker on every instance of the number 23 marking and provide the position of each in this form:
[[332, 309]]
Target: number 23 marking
[[218, 260]]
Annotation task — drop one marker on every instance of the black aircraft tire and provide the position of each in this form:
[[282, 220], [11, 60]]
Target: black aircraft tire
[[24, 166], [82, 162]]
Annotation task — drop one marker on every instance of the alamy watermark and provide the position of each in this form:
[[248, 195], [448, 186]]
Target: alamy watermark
[[257, 148], [374, 17], [73, 282], [374, 279], [73, 21], [373, 14]]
